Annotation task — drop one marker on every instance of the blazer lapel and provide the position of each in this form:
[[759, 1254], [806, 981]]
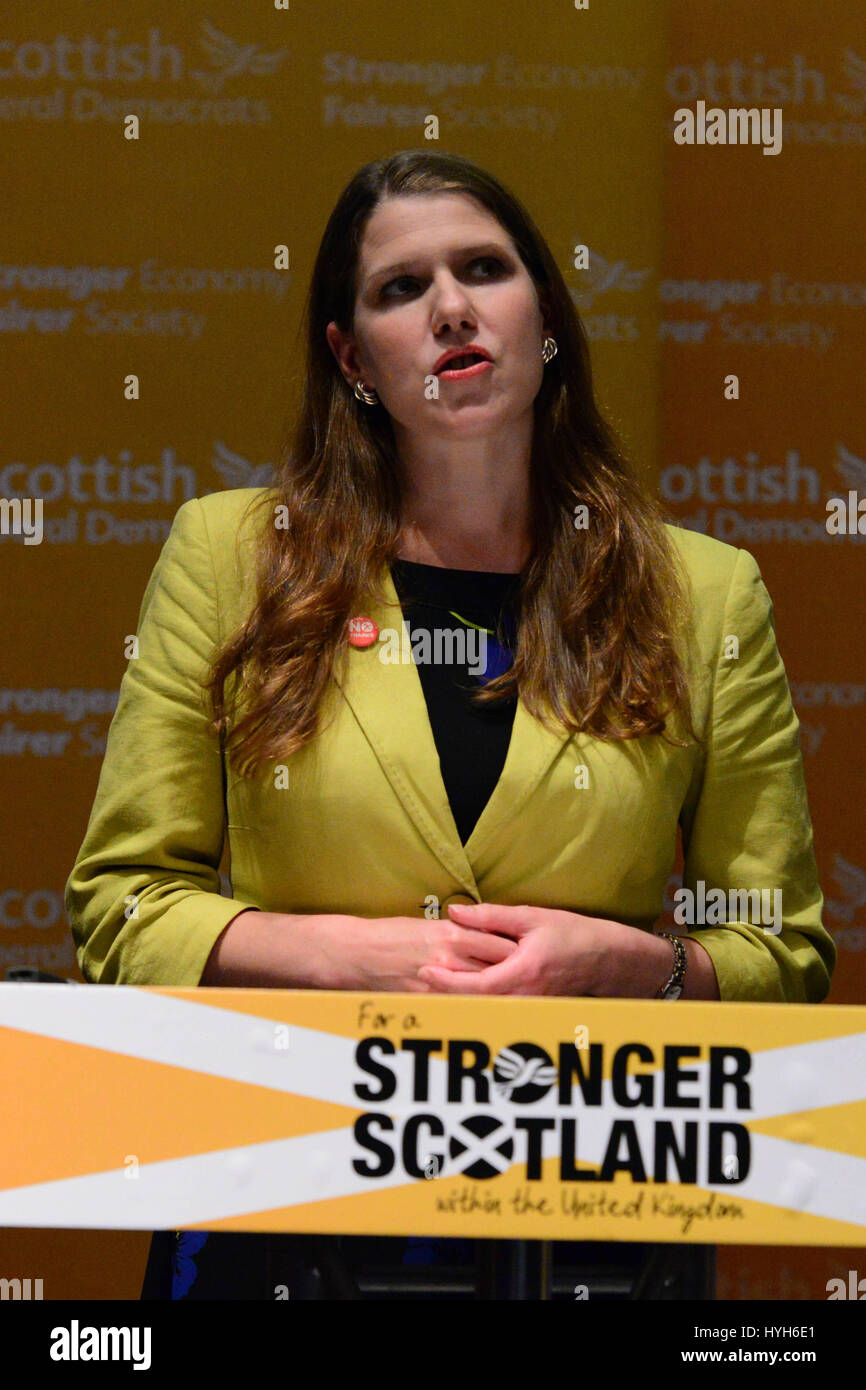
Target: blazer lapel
[[387, 699]]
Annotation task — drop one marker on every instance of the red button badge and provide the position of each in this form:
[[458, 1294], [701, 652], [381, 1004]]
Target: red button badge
[[362, 632]]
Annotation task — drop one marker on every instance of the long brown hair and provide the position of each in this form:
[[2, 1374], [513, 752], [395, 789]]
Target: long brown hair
[[599, 607]]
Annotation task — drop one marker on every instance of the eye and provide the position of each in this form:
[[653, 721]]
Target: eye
[[494, 262], [489, 260], [401, 279]]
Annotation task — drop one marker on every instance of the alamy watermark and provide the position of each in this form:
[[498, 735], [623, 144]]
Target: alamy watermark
[[17, 519], [21, 1289], [759, 907], [440, 646], [734, 125]]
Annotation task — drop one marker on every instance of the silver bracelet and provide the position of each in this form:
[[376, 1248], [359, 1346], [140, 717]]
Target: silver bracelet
[[674, 986]]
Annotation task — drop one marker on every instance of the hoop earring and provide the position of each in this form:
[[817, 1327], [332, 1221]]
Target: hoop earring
[[362, 394], [549, 350]]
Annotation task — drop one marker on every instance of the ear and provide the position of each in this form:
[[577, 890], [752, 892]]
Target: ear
[[546, 321], [345, 350]]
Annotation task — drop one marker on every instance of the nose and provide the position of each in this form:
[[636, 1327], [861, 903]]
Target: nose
[[451, 304]]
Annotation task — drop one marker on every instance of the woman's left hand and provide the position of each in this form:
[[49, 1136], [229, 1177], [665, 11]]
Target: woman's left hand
[[559, 953]]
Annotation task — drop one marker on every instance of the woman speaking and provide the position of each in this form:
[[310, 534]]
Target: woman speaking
[[452, 685]]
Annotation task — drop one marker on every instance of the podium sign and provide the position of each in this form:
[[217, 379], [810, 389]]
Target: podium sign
[[566, 1119]]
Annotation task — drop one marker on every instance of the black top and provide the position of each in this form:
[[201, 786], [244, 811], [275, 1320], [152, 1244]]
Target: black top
[[472, 743]]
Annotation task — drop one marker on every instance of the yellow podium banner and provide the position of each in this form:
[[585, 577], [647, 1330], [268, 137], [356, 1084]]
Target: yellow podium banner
[[566, 1119]]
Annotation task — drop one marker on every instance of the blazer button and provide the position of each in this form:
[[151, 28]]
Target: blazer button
[[456, 898]]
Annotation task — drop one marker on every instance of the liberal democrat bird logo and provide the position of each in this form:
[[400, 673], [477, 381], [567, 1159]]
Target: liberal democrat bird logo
[[602, 275], [523, 1072], [852, 880], [855, 71], [232, 59], [236, 471], [852, 468]]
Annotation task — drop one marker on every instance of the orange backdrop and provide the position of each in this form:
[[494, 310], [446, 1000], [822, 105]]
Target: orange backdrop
[[155, 257]]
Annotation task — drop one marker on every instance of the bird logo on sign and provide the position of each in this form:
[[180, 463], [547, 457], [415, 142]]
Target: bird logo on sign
[[231, 59], [523, 1072]]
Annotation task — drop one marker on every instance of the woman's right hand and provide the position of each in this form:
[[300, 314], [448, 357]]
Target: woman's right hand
[[384, 954]]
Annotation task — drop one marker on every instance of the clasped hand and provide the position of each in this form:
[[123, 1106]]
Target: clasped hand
[[491, 948], [555, 952]]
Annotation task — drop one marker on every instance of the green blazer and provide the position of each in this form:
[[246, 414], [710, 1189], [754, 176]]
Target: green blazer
[[364, 826]]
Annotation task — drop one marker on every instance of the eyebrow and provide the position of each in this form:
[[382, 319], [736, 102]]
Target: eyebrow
[[399, 267]]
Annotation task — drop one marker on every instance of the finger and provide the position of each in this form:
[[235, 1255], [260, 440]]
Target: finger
[[442, 981], [487, 948], [496, 979], [470, 946], [491, 917]]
